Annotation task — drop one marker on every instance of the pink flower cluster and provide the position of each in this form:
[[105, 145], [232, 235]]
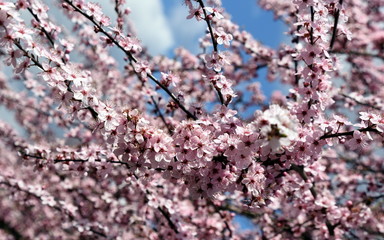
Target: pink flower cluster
[[176, 148]]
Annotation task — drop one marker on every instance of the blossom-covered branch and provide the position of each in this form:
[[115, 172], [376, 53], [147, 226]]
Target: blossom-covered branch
[[97, 147]]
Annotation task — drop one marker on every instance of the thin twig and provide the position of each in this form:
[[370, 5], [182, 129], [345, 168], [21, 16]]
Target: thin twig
[[70, 159], [214, 42], [226, 226], [350, 133], [48, 35], [169, 220], [161, 115], [300, 170], [93, 112], [57, 208], [361, 103], [358, 53], [131, 57], [312, 20]]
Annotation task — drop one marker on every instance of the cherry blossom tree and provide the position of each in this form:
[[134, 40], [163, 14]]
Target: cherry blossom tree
[[151, 147]]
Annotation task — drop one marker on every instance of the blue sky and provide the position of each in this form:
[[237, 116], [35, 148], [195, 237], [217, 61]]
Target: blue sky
[[263, 27], [260, 23], [162, 26]]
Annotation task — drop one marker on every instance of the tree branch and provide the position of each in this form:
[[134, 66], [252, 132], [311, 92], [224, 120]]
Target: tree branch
[[214, 42], [358, 53], [161, 115], [350, 133], [11, 230], [334, 33], [169, 220]]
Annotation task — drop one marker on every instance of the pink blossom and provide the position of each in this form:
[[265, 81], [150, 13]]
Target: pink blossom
[[358, 141], [143, 69], [93, 9], [196, 13], [109, 118], [216, 60], [305, 114], [21, 32], [215, 12], [222, 37], [94, 146], [169, 78], [130, 44], [309, 54], [12, 59]]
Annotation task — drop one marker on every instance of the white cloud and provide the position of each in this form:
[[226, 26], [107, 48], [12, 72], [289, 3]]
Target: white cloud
[[151, 25], [161, 32], [186, 31], [158, 31]]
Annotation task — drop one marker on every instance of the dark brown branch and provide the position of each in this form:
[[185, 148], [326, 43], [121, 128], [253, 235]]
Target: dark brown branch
[[214, 42], [11, 230], [350, 133], [57, 208], [303, 175], [358, 53], [47, 34], [28, 55], [161, 115], [226, 226], [70, 160], [32, 57], [119, 15], [312, 19], [361, 103], [334, 32], [82, 160], [295, 61], [300, 170], [297, 78], [169, 220], [221, 98], [238, 210]]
